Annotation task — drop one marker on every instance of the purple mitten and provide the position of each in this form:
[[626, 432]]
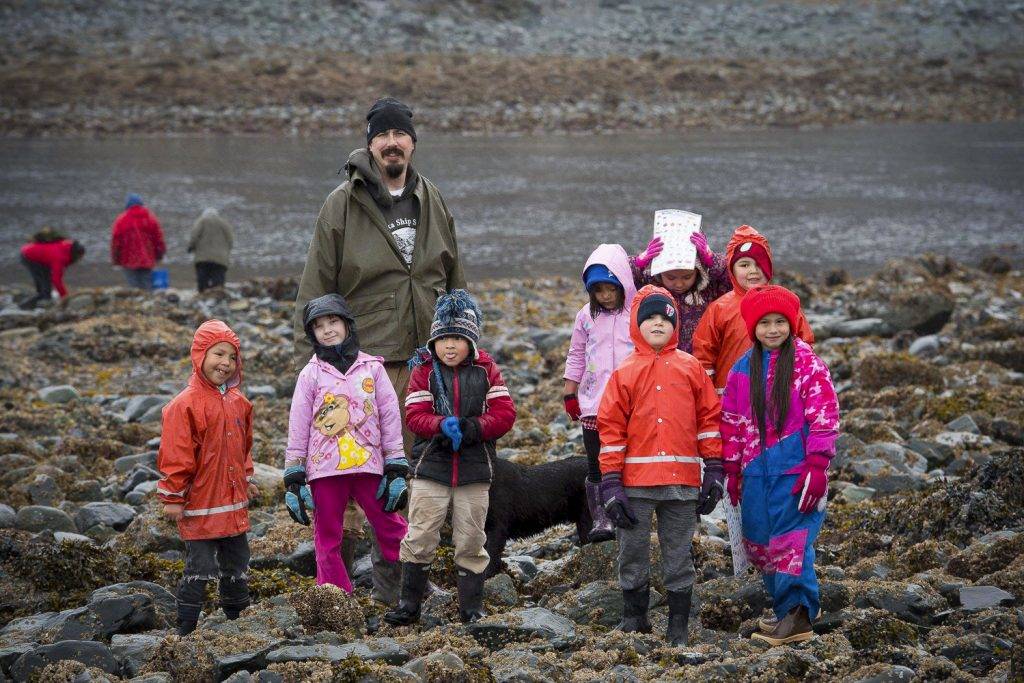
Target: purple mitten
[[614, 499]]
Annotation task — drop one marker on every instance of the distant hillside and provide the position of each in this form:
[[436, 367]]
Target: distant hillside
[[313, 65]]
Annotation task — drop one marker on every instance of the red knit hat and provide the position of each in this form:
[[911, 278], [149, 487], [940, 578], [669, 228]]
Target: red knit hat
[[757, 252], [765, 299]]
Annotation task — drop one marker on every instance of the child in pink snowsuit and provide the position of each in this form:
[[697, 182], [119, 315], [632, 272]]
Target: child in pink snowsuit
[[344, 441]]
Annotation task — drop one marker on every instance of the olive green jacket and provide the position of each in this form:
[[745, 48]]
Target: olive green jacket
[[211, 239], [353, 253]]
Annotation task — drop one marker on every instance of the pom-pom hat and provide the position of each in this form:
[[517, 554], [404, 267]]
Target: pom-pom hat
[[765, 299], [456, 314]]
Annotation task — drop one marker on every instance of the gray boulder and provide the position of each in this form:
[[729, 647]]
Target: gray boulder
[[909, 602], [984, 597], [862, 327], [138, 406], [501, 590], [114, 515], [43, 518], [497, 631], [925, 347], [44, 491], [964, 423], [8, 517], [28, 629], [87, 652], [384, 649], [63, 393], [126, 463], [133, 651]]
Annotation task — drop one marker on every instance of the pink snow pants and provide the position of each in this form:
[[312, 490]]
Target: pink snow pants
[[331, 496]]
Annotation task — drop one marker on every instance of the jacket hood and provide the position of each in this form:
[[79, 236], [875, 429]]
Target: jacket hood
[[615, 258], [361, 168], [639, 343], [209, 333], [328, 304], [210, 213], [744, 233]]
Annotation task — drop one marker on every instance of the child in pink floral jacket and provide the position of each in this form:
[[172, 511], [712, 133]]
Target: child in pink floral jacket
[[344, 441]]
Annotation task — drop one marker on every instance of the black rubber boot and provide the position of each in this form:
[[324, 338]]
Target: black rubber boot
[[471, 595], [678, 617], [234, 596], [414, 585], [190, 604], [634, 610]]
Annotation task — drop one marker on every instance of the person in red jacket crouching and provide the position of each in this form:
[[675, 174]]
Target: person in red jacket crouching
[[205, 461], [137, 243], [46, 257], [658, 421]]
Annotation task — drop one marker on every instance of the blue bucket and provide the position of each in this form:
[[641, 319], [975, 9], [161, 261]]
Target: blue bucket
[[161, 280]]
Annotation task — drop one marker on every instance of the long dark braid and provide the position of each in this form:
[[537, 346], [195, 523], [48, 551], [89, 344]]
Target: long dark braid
[[778, 406]]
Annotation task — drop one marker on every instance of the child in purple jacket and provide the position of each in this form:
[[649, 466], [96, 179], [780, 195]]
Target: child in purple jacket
[[344, 441], [692, 289], [600, 341]]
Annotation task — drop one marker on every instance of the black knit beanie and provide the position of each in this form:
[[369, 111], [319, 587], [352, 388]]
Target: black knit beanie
[[656, 303], [385, 114]]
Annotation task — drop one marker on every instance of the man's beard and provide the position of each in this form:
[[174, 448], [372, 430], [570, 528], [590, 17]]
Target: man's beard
[[394, 170]]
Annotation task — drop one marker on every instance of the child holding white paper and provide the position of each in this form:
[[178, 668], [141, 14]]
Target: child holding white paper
[[692, 288]]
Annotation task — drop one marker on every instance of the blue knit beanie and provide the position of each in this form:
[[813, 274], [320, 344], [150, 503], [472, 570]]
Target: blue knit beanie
[[132, 200], [598, 273]]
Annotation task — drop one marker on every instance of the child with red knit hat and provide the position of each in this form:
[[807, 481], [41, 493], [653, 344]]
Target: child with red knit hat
[[721, 337], [780, 420]]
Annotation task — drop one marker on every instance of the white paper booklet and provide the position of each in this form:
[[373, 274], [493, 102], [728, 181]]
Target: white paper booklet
[[735, 522], [674, 227]]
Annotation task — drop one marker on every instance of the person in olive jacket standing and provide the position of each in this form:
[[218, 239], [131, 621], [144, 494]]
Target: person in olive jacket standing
[[384, 240], [210, 245]]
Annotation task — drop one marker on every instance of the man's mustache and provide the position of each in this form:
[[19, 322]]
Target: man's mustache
[[392, 150]]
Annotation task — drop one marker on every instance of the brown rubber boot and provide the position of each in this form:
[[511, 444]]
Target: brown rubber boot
[[795, 627], [768, 624]]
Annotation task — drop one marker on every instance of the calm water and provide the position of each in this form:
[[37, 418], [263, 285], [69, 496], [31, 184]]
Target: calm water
[[850, 197]]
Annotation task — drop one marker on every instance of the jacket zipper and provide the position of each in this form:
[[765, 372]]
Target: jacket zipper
[[455, 413]]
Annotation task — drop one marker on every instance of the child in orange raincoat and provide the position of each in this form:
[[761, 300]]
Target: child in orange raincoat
[[721, 335], [206, 462], [658, 422]]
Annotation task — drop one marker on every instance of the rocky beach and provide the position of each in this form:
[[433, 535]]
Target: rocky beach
[[583, 66], [921, 558]]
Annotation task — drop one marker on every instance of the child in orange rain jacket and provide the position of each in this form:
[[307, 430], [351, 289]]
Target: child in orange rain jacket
[[658, 422], [721, 335], [206, 461]]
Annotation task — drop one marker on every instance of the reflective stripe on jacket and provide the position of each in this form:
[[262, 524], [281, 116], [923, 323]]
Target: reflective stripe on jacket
[[206, 448], [659, 415]]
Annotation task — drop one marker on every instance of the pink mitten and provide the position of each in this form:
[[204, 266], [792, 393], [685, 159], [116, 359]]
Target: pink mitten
[[644, 258], [703, 251], [812, 483], [733, 480]]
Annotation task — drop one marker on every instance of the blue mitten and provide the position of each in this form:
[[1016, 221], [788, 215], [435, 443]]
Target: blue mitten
[[297, 498], [450, 428]]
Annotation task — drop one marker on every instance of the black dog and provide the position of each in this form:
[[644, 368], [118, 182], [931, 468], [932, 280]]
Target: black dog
[[526, 500]]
